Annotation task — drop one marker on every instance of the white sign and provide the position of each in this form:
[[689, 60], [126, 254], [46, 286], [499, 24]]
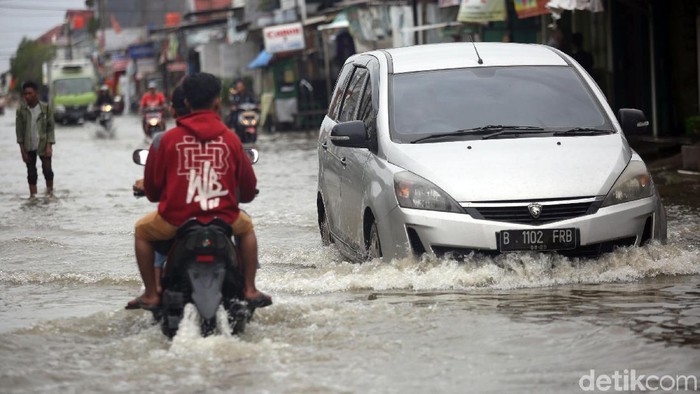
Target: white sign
[[284, 38], [288, 4], [481, 11]]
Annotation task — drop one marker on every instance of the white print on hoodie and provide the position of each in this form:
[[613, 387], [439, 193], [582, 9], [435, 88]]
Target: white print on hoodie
[[203, 163]]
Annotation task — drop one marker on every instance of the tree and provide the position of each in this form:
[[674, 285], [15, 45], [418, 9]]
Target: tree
[[27, 62]]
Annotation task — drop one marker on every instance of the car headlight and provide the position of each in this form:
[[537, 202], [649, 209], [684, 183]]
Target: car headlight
[[634, 183], [413, 191], [60, 108]]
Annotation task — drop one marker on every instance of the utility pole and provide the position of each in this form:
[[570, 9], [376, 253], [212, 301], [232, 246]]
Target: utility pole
[[69, 52], [103, 20]]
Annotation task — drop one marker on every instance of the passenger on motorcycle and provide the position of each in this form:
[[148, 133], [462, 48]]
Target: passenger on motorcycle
[[198, 169], [178, 108]]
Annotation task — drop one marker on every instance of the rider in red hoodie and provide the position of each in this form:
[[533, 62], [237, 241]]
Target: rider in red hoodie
[[198, 170]]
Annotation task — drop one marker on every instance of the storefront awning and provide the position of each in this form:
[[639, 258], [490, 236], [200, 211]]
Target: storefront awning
[[262, 60], [339, 22]]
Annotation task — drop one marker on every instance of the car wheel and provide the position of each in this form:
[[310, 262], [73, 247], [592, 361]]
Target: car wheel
[[374, 246], [324, 229]]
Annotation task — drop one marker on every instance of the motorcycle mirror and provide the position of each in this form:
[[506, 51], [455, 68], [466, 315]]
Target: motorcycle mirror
[[140, 156], [253, 154]]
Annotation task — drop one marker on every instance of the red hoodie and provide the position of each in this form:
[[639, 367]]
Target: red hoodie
[[200, 170]]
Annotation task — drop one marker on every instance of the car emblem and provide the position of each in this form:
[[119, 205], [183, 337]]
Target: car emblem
[[535, 210]]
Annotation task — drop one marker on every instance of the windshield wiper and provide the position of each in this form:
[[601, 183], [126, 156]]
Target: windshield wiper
[[584, 131], [487, 131]]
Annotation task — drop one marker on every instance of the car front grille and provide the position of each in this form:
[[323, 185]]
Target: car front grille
[[520, 212]]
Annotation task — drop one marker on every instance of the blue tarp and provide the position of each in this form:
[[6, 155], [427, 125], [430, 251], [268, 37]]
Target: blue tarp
[[262, 60]]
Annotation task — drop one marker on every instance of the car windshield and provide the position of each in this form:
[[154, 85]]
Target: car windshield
[[529, 97], [64, 87]]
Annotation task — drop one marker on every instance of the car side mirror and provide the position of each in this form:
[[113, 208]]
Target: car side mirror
[[633, 121], [351, 134]]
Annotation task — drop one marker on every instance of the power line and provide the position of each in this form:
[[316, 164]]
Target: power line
[[19, 7], [33, 15]]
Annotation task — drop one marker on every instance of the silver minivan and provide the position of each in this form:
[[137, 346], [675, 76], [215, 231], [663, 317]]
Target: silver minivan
[[450, 149]]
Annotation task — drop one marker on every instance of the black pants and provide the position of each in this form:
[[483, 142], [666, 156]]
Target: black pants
[[32, 175]]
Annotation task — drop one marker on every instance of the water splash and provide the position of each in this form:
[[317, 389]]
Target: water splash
[[508, 271]]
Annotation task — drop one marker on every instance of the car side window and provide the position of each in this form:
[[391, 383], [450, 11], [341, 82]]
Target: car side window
[[368, 116], [365, 111], [339, 91], [353, 94]]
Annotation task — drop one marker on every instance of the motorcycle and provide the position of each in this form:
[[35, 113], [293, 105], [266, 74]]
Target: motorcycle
[[153, 121], [202, 268], [246, 123], [105, 118]]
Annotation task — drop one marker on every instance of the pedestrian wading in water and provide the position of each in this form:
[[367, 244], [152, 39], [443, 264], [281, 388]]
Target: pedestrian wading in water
[[35, 135]]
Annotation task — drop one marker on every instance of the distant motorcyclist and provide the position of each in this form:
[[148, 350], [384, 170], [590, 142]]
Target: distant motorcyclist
[[238, 95], [104, 97], [152, 98]]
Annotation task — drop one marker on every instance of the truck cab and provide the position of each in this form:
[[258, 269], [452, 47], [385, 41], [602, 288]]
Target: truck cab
[[72, 86]]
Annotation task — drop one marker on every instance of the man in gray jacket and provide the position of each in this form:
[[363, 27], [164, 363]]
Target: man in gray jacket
[[35, 135]]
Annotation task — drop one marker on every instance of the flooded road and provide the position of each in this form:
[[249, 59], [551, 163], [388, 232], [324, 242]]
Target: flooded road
[[517, 322]]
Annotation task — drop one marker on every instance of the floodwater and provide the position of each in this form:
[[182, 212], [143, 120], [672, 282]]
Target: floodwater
[[518, 322]]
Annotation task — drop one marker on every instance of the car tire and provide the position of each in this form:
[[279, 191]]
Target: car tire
[[324, 229], [374, 245]]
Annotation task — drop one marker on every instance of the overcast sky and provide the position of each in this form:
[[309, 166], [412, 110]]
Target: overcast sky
[[29, 18]]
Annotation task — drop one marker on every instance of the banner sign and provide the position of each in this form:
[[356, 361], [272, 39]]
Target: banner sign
[[481, 11], [141, 51], [530, 8], [284, 38]]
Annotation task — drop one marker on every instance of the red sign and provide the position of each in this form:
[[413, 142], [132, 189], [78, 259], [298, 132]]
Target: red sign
[[78, 22], [172, 19], [530, 8]]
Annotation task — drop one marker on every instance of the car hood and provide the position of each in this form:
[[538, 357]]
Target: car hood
[[532, 168]]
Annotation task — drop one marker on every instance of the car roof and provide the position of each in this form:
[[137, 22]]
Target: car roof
[[462, 54]]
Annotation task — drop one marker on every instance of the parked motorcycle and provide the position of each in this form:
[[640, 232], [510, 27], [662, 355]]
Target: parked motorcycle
[[202, 268], [105, 118], [244, 121], [153, 121]]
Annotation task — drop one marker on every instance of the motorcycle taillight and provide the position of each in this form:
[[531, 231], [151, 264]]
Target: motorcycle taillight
[[204, 258]]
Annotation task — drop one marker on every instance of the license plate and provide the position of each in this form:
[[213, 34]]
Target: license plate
[[545, 239]]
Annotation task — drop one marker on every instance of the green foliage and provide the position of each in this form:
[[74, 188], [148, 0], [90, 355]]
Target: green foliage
[[692, 125], [28, 60]]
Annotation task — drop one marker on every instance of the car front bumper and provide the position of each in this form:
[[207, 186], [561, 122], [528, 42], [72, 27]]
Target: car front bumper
[[410, 231]]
